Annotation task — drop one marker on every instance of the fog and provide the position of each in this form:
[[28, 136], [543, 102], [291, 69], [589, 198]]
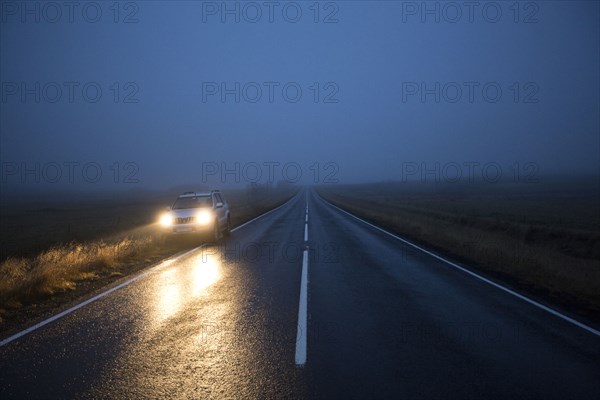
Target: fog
[[158, 94]]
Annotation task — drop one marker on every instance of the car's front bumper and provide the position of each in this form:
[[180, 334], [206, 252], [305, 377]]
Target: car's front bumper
[[189, 228]]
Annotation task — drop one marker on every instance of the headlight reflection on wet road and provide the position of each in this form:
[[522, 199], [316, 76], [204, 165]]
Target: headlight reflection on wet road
[[179, 285], [182, 340], [205, 272]]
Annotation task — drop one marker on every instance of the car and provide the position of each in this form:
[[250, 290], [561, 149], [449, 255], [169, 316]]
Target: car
[[198, 212]]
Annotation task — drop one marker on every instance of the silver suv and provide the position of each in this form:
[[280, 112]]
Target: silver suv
[[198, 212]]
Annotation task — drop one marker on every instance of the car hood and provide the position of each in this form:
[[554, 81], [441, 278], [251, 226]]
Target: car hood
[[188, 212]]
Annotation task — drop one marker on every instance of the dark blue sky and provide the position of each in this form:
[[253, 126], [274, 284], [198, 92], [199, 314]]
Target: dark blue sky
[[368, 64]]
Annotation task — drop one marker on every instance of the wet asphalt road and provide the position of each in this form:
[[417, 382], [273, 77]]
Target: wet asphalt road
[[384, 321]]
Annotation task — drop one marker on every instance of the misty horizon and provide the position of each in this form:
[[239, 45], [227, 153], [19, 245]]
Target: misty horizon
[[151, 99]]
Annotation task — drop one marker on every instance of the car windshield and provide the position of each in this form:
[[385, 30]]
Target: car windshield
[[192, 202]]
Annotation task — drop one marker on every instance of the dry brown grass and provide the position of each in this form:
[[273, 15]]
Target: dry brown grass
[[59, 268]]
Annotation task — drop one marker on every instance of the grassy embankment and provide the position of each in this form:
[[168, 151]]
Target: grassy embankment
[[53, 252], [543, 238]]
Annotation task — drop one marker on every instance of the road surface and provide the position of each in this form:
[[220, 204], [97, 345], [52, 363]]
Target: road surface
[[304, 302]]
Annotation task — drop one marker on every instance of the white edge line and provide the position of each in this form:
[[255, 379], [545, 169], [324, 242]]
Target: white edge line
[[507, 290], [120, 286], [301, 333]]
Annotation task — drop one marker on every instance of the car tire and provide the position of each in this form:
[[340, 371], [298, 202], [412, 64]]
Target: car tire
[[227, 231], [216, 232]]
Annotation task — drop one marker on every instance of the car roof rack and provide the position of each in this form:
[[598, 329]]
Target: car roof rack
[[199, 193]]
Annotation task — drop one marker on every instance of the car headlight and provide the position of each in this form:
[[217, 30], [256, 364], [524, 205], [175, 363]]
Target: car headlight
[[204, 217], [166, 220]]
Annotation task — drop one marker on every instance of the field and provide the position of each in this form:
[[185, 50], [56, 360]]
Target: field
[[54, 252], [542, 238]]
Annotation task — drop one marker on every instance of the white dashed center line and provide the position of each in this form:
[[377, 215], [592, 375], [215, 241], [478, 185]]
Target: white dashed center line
[[302, 333]]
